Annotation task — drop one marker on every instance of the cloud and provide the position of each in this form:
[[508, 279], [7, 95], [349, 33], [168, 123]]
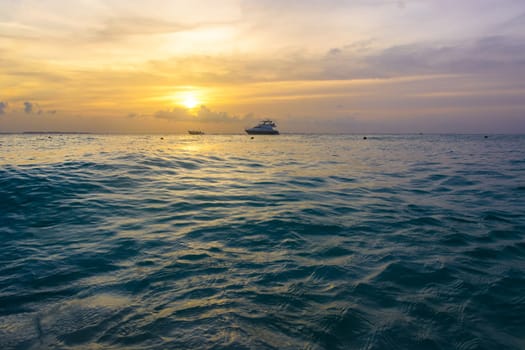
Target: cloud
[[514, 26], [118, 28], [138, 116], [28, 107], [208, 115], [494, 54], [202, 114], [177, 113], [335, 51], [358, 60]]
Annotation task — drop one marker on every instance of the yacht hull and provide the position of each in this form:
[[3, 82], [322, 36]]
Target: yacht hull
[[261, 132]]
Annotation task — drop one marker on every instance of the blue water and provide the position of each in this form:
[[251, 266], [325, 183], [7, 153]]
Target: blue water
[[286, 242]]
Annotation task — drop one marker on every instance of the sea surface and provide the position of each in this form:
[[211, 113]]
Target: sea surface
[[275, 242]]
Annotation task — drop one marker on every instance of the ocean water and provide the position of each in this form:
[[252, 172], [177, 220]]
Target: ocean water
[[287, 242]]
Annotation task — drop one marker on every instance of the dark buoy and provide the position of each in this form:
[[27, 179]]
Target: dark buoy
[[364, 137], [251, 138], [486, 137], [162, 138]]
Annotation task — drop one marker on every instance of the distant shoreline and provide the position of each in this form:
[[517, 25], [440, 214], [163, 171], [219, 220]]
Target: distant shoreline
[[54, 132], [241, 133]]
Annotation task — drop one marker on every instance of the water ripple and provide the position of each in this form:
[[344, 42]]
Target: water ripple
[[224, 242]]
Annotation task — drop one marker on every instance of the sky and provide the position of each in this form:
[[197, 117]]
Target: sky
[[320, 66]]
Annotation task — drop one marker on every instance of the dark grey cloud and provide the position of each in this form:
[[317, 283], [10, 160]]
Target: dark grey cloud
[[3, 107], [28, 107]]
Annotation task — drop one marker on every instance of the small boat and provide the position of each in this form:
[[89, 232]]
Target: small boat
[[265, 127], [195, 132]]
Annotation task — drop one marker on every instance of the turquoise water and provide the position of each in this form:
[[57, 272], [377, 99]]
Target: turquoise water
[[287, 242]]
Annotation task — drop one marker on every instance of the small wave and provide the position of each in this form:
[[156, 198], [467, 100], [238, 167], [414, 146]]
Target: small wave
[[221, 243], [413, 276], [458, 181]]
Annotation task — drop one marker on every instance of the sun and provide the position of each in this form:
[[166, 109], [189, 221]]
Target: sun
[[189, 97], [190, 100]]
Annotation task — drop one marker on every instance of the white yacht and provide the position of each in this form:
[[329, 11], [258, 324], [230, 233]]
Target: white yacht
[[265, 127]]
